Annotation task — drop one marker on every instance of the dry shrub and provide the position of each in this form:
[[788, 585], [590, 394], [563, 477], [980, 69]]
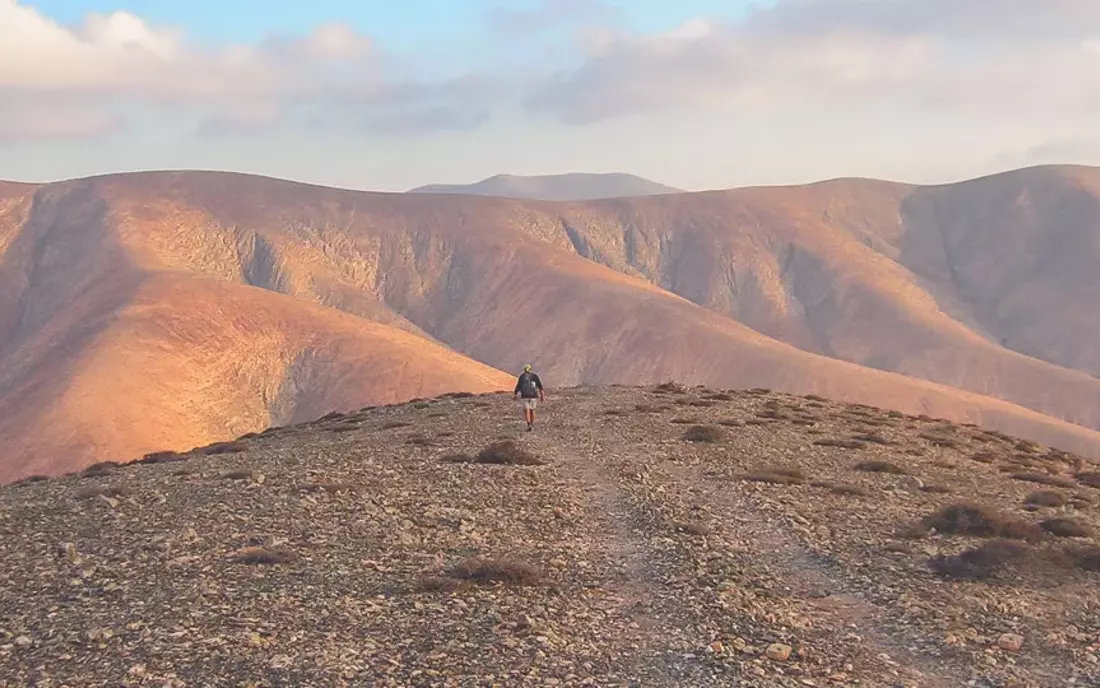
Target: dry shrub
[[223, 448], [613, 412], [345, 427], [964, 518], [1043, 479], [872, 438], [505, 571], [419, 441], [940, 440], [440, 584], [758, 391], [878, 466], [772, 414], [841, 489], [730, 423], [457, 395], [720, 396], [262, 555], [669, 388], [437, 414], [93, 491], [239, 474], [895, 414], [707, 434], [1066, 527], [778, 475], [421, 405], [100, 468], [507, 453], [457, 458], [980, 562], [840, 443], [814, 397], [693, 528], [161, 457], [1089, 479], [395, 424], [1045, 498], [984, 457], [702, 403], [1027, 446], [1085, 557]]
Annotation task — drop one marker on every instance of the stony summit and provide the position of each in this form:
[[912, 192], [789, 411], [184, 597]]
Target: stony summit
[[659, 536]]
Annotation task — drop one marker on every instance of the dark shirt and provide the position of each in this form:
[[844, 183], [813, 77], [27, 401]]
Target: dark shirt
[[528, 385]]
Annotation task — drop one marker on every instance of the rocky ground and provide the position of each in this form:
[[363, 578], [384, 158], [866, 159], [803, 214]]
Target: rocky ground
[[639, 537]]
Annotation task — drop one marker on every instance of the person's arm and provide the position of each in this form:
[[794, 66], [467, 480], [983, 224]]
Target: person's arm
[[538, 383], [515, 392]]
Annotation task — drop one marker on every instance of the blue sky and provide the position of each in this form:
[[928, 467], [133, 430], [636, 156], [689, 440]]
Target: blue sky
[[693, 93]]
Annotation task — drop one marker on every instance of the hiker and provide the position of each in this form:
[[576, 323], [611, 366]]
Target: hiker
[[529, 388]]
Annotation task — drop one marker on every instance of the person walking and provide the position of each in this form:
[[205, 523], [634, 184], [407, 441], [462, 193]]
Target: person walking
[[529, 389]]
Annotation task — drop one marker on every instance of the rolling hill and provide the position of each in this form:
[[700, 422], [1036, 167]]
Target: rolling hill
[[166, 310], [577, 186]]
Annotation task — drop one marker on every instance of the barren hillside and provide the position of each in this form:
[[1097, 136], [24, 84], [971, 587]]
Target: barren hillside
[[555, 187], [225, 303], [658, 537]]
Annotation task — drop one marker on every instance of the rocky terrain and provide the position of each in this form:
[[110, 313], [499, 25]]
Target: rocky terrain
[[656, 536]]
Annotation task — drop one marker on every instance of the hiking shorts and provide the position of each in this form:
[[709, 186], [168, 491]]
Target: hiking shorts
[[531, 403]]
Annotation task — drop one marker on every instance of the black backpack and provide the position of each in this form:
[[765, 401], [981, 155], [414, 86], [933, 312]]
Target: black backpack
[[527, 386]]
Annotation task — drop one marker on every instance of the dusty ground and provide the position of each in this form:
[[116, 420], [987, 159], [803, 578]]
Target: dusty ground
[[632, 557]]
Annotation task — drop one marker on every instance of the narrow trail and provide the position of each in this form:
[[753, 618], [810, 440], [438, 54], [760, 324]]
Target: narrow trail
[[819, 589], [822, 588]]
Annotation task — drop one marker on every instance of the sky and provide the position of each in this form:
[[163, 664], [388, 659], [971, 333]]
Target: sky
[[698, 94]]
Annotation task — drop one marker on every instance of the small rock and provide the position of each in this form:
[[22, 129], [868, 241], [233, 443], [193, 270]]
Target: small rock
[[23, 641], [778, 652], [1011, 642], [717, 646]]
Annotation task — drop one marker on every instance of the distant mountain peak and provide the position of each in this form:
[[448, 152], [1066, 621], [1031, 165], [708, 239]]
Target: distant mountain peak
[[574, 186]]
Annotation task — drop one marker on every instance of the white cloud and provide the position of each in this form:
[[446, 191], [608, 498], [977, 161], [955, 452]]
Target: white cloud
[[965, 54]]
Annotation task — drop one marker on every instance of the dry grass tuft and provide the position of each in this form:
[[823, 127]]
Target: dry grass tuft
[[1043, 479], [507, 453], [161, 457], [693, 528], [262, 555], [223, 448], [1045, 498], [980, 562], [395, 424], [964, 518], [100, 468], [504, 571], [840, 443], [778, 475], [669, 388], [1088, 479], [730, 423], [872, 439], [440, 584], [706, 434], [984, 457], [842, 489], [879, 466], [1066, 527]]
